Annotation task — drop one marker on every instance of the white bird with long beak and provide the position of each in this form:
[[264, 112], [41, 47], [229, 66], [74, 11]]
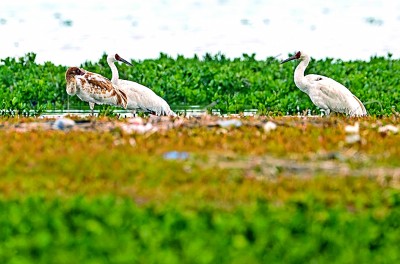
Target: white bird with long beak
[[324, 92], [139, 96], [93, 88]]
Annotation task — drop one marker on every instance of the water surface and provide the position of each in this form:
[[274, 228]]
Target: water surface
[[71, 32]]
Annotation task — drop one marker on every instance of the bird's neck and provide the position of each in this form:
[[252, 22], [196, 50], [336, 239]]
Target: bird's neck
[[114, 72], [299, 79]]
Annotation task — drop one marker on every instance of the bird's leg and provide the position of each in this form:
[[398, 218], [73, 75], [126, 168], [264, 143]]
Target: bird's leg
[[325, 112], [91, 105], [328, 112], [134, 112]]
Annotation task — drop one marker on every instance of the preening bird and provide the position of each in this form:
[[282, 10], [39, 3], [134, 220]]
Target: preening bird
[[324, 92], [139, 96], [93, 88]]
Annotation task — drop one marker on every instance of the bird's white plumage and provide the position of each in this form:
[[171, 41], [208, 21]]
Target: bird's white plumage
[[139, 96], [143, 98], [324, 92], [333, 96]]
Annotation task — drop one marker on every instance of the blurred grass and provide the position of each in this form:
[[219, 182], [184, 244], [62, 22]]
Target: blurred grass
[[242, 196]]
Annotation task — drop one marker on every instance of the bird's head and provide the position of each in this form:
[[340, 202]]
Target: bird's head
[[72, 71], [298, 55], [70, 78], [115, 57]]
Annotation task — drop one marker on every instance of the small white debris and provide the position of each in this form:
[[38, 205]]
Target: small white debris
[[132, 142], [136, 120], [229, 123], [119, 141], [269, 126], [353, 133], [63, 123], [353, 138], [388, 128], [352, 129], [137, 128]]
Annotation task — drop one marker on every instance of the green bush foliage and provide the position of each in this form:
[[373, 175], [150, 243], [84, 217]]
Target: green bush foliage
[[26, 85], [113, 230], [233, 84]]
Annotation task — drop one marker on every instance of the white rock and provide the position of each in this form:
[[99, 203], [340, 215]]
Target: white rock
[[353, 138], [229, 123], [352, 129], [269, 126], [63, 123], [137, 128], [388, 128], [136, 120]]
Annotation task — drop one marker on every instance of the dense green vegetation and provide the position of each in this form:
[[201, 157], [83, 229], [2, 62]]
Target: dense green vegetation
[[235, 84], [117, 230], [111, 197]]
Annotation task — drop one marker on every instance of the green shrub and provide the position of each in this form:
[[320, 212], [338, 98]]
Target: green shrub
[[233, 84], [112, 230]]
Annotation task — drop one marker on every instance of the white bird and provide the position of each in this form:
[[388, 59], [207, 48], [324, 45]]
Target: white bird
[[139, 96], [324, 92], [93, 88]]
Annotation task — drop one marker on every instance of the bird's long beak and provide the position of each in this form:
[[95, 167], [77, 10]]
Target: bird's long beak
[[118, 58], [289, 59], [125, 61]]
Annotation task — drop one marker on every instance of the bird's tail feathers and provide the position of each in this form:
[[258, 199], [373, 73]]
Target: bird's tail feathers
[[161, 111], [122, 99], [173, 114], [360, 110]]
